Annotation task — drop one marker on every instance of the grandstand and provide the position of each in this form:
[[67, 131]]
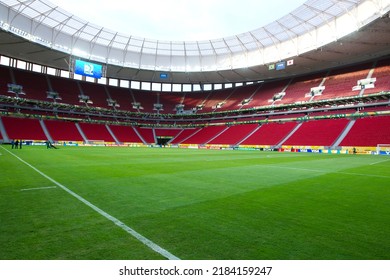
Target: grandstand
[[316, 100], [321, 119], [307, 83]]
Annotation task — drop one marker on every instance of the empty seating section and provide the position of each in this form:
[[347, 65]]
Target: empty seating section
[[270, 134], [243, 96], [299, 87], [35, 85], [147, 100], [63, 131], [125, 134], [193, 99], [266, 93], [317, 133], [96, 132], [219, 100], [147, 135], [382, 75], [170, 100], [122, 97], [67, 90], [228, 101], [339, 83], [205, 135], [184, 135], [368, 132], [234, 134], [5, 79], [96, 93], [234, 98], [26, 129], [204, 100]]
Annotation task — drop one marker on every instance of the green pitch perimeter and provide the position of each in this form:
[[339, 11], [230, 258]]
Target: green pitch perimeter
[[194, 204]]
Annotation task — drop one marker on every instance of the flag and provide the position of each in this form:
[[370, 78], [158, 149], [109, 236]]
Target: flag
[[290, 62], [271, 67]]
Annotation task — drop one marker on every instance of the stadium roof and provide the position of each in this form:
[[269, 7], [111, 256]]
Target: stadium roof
[[316, 35]]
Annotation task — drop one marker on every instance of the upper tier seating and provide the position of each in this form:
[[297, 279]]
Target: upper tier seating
[[266, 93], [67, 89], [123, 97], [147, 100], [169, 101], [340, 82], [299, 87], [96, 93], [219, 100], [5, 79], [382, 75], [34, 85]]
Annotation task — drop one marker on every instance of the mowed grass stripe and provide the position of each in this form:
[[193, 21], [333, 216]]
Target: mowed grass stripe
[[204, 204], [160, 191], [161, 186], [297, 220]]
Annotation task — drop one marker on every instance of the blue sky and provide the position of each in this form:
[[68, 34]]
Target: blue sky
[[180, 20]]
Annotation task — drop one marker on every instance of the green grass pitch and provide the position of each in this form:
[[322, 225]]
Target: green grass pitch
[[196, 204]]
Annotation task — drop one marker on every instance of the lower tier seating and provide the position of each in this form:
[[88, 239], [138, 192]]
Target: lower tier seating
[[368, 131]]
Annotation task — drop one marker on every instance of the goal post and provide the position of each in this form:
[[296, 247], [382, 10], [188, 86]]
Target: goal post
[[383, 149]]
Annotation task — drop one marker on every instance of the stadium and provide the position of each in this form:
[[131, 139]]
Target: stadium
[[272, 144]]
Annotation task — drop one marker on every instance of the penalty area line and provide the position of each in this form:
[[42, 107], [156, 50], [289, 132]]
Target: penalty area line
[[150, 244]]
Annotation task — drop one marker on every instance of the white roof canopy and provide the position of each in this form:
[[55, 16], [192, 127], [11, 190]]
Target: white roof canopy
[[315, 23]]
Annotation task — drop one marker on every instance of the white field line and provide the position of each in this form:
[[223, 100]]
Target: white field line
[[41, 188], [379, 162], [150, 244], [325, 171]]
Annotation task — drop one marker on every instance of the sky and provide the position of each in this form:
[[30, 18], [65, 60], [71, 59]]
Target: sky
[[180, 20]]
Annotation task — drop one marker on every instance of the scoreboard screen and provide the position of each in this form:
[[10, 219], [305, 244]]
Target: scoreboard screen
[[89, 69]]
